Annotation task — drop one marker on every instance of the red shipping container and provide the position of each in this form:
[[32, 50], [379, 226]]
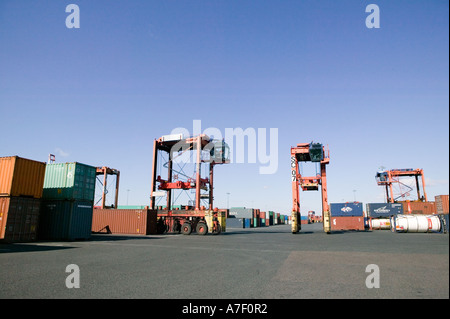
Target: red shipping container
[[442, 206], [347, 223], [419, 208], [125, 221], [262, 215]]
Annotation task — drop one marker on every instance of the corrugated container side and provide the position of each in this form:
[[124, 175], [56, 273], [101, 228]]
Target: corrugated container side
[[125, 221], [347, 223], [19, 217], [442, 204], [65, 220], [241, 212], [419, 208], [384, 209], [21, 177], [346, 209], [69, 181]]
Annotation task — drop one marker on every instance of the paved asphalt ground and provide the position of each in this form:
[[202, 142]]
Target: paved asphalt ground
[[259, 263]]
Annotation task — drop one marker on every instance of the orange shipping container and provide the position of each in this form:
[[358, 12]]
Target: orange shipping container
[[125, 221], [419, 208], [21, 177], [442, 206]]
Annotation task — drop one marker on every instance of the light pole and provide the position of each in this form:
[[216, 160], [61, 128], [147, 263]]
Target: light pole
[[228, 200], [128, 193]]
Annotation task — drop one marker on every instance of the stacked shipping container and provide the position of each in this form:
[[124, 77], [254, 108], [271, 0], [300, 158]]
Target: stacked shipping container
[[21, 182], [67, 202], [379, 214], [442, 204], [347, 216], [419, 208]]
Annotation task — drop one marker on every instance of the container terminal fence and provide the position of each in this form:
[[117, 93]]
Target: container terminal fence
[[55, 201]]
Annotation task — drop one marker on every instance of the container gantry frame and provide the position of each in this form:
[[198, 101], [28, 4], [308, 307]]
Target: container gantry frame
[[391, 177], [309, 152], [105, 171], [199, 218]]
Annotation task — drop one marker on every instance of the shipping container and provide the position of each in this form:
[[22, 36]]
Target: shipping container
[[247, 222], [442, 205], [353, 209], [65, 220], [270, 218], [347, 223], [71, 181], [19, 218], [241, 212], [235, 222], [21, 177], [419, 208], [124, 221], [376, 210], [445, 223]]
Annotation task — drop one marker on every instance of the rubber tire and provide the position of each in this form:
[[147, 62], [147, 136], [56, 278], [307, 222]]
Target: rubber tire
[[186, 229], [219, 230], [201, 229]]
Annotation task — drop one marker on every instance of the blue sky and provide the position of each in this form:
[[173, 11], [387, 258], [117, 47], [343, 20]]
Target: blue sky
[[135, 70]]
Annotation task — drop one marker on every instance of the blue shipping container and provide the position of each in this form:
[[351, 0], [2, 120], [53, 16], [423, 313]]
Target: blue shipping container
[[247, 222], [376, 210], [346, 209], [65, 220]]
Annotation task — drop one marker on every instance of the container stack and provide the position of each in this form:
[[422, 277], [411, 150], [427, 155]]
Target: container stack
[[347, 216], [419, 208], [379, 214], [442, 205], [67, 202], [270, 218], [21, 182]]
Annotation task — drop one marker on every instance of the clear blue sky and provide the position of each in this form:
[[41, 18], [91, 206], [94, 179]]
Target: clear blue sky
[[135, 70]]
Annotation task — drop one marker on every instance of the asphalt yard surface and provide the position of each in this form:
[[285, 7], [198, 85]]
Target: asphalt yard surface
[[258, 263]]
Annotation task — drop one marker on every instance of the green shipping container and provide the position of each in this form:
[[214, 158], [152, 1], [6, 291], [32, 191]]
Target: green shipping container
[[65, 220], [69, 181]]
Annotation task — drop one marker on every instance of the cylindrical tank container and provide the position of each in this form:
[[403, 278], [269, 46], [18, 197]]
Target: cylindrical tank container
[[21, 177], [380, 223], [416, 223]]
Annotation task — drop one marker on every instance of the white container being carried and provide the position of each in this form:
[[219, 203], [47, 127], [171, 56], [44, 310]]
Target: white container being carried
[[416, 223]]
